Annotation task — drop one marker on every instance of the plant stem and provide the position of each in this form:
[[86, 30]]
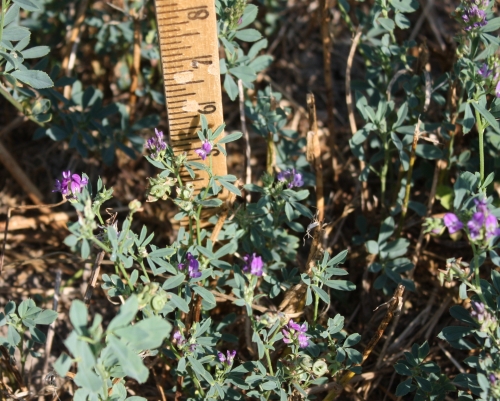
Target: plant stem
[[269, 364], [144, 270], [100, 244], [316, 307], [477, 278], [270, 153], [480, 130], [2, 17], [383, 173], [124, 272]]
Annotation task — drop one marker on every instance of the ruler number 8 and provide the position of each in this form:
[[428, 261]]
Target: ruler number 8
[[199, 14]]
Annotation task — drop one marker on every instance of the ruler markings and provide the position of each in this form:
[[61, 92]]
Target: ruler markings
[[185, 94], [182, 35], [189, 83], [182, 128], [176, 90], [189, 59], [190, 8], [179, 48], [183, 118], [198, 44]]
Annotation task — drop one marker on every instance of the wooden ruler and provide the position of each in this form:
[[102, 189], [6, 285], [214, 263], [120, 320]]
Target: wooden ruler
[[189, 50]]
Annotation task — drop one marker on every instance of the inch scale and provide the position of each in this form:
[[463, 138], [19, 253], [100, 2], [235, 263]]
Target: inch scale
[[187, 31]]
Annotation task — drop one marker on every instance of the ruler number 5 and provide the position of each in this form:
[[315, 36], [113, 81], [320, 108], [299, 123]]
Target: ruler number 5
[[199, 14]]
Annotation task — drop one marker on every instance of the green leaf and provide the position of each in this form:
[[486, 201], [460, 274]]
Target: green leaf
[[63, 364], [244, 73], [230, 187], [231, 87], [352, 340], [493, 25], [47, 316], [428, 151], [231, 137], [372, 247], [15, 33], [162, 252], [87, 379], [487, 116], [469, 119], [179, 302], [387, 23], [27, 5], [126, 314], [36, 52], [386, 230], [340, 285], [78, 316], [36, 79], [404, 388], [321, 293], [248, 35], [173, 282], [130, 362], [205, 294], [248, 16], [200, 370], [402, 21]]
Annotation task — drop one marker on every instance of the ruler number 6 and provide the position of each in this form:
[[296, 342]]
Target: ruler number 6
[[199, 14], [208, 109]]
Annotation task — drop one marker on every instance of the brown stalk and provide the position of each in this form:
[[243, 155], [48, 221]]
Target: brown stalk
[[327, 68], [314, 155], [248, 150], [413, 156], [136, 63]]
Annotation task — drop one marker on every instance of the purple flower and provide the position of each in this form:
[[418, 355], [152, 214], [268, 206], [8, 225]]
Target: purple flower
[[295, 333], [497, 89], [473, 17], [493, 378], [204, 151], [291, 178], [253, 264], [475, 224], [193, 266], [70, 184], [229, 359], [484, 71], [482, 205], [452, 222], [179, 338], [156, 145], [491, 225]]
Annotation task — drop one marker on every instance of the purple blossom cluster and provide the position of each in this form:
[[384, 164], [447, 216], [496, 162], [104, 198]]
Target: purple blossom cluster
[[474, 14], [227, 359], [291, 178], [293, 332], [253, 264], [179, 338], [70, 184], [482, 316], [193, 266], [482, 225], [485, 72], [204, 151], [156, 145]]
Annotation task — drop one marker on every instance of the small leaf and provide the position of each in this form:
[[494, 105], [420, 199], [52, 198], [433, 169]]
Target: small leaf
[[36, 79]]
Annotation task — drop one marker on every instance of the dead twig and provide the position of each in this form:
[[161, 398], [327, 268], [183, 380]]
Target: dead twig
[[248, 150]]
